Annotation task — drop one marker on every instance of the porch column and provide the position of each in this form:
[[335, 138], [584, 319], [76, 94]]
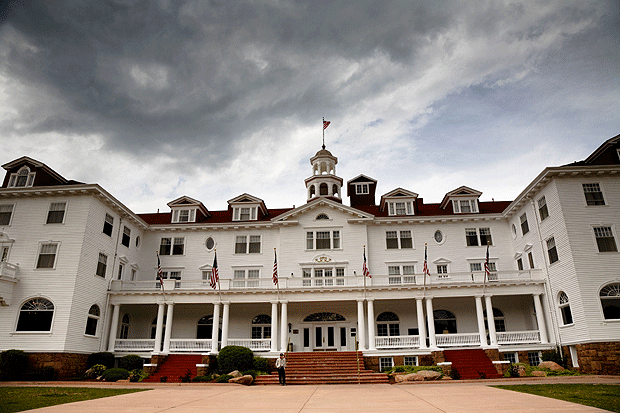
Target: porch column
[[215, 334], [225, 318], [431, 322], [274, 326], [116, 309], [284, 327], [480, 316], [371, 324], [540, 319], [159, 328], [491, 321], [169, 324], [421, 325], [361, 332]]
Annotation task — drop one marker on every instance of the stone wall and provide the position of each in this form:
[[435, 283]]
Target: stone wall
[[67, 365], [599, 358]]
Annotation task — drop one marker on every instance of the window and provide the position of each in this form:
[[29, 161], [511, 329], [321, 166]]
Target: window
[[261, 327], [247, 244], [445, 322], [91, 321], [396, 271], [466, 206], [410, 361], [204, 327], [564, 305], [593, 194], [134, 273], [362, 189], [525, 228], [166, 246], [6, 212], [108, 225], [533, 357], [398, 239], [183, 215], [511, 357], [124, 333], [438, 237], [442, 268], [471, 236], [321, 216], [552, 251], [23, 178], [400, 208], [36, 315], [210, 243], [245, 278], [126, 237], [485, 236], [244, 213], [386, 363], [475, 266], [543, 212], [322, 240], [121, 269], [610, 301], [499, 321], [388, 325], [605, 239], [520, 264], [56, 213], [47, 255], [102, 265], [324, 276], [530, 258]]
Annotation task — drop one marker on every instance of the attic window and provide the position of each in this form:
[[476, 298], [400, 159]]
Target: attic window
[[400, 207], [23, 178], [464, 206], [244, 213], [184, 215], [322, 216], [362, 189]]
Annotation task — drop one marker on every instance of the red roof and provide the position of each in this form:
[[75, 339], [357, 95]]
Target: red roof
[[217, 217]]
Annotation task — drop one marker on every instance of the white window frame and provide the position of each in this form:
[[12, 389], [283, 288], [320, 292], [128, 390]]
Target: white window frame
[[41, 245], [246, 277], [407, 207], [542, 206], [183, 215], [442, 268], [564, 303], [311, 241], [399, 237], [56, 204], [126, 233], [457, 205], [239, 213], [321, 275], [173, 241], [548, 249], [108, 220], [410, 360], [385, 363], [479, 236], [95, 317], [600, 230], [104, 265], [586, 185], [23, 171], [249, 241], [401, 272], [362, 189], [525, 226], [11, 213]]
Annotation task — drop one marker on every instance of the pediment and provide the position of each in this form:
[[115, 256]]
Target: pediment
[[399, 193], [361, 179], [460, 192], [184, 201], [310, 207], [441, 261], [245, 199]]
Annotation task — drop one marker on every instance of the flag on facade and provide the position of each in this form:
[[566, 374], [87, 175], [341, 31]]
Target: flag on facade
[[214, 274], [425, 270], [487, 272], [325, 124], [275, 267], [365, 267], [159, 272]]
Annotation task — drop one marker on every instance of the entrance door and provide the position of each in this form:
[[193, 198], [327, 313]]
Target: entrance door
[[325, 338]]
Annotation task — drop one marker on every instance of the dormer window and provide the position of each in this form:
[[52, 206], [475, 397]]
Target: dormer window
[[244, 213], [465, 206], [23, 178], [184, 215], [400, 207], [362, 189]]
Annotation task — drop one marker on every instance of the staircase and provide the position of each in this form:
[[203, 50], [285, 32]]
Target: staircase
[[325, 368], [471, 364], [174, 366]]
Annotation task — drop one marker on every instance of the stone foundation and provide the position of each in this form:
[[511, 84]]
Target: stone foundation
[[599, 358], [67, 365]]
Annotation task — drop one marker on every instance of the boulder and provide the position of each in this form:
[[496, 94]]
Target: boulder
[[551, 365], [422, 375], [246, 380], [235, 374], [429, 374], [538, 373]]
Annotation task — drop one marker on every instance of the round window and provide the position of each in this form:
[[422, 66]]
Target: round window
[[514, 231], [137, 242], [438, 237], [210, 243]]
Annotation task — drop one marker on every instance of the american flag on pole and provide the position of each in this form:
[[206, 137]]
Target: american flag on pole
[[159, 272], [214, 274], [326, 124], [365, 267], [275, 267], [425, 270], [486, 264]]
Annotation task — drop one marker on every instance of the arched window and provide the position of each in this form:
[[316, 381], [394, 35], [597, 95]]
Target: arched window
[[36, 315], [261, 327], [564, 306], [322, 216], [335, 190], [92, 320], [610, 301], [445, 322], [22, 178], [154, 327], [124, 327], [312, 191], [498, 317], [204, 327], [388, 324], [316, 317], [323, 189]]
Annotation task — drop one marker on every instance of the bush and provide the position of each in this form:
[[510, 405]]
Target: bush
[[412, 369], [202, 379], [163, 379], [131, 362], [105, 358], [13, 364], [115, 374], [95, 371], [233, 358], [223, 378], [513, 370], [47, 373], [187, 377], [261, 364], [137, 375], [252, 373], [454, 374]]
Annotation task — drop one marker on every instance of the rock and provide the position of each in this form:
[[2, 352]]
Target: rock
[[522, 372], [429, 374], [446, 378], [235, 374], [551, 365], [538, 373], [246, 380]]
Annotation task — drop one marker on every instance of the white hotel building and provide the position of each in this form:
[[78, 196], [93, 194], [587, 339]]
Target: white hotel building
[[78, 270]]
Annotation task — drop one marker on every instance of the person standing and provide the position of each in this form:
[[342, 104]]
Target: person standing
[[281, 365]]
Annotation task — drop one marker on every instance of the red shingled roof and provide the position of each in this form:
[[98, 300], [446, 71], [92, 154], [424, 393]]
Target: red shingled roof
[[217, 217]]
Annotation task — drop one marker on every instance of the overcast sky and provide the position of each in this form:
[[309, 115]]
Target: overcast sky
[[211, 99]]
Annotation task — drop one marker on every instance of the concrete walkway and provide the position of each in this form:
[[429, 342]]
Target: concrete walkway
[[446, 397]]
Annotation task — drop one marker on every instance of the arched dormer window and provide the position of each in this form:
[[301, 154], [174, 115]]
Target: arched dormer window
[[564, 306], [388, 324], [23, 178], [610, 301], [36, 315], [261, 327]]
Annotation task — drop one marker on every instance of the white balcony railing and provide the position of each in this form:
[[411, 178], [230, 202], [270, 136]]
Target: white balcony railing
[[183, 345], [397, 342], [456, 340], [518, 337], [134, 344], [263, 344]]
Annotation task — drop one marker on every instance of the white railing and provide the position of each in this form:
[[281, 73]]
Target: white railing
[[134, 345], [518, 337], [8, 270], [455, 340], [263, 344], [190, 345], [397, 342]]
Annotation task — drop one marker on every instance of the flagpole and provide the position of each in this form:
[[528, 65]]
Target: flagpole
[[161, 281], [323, 126], [364, 274]]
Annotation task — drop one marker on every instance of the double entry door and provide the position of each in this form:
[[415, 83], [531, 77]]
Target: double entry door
[[325, 337]]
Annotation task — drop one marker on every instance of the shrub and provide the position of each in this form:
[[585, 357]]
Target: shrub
[[454, 374], [412, 369], [513, 370], [13, 364], [95, 371], [137, 375], [252, 373], [115, 374], [131, 362], [47, 373], [261, 364], [233, 358], [202, 379], [223, 378], [105, 358], [187, 377]]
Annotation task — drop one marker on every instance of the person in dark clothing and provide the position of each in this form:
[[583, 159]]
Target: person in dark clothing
[[281, 365]]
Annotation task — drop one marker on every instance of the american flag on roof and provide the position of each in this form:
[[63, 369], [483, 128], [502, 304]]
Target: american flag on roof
[[326, 124], [275, 267], [214, 273], [425, 270], [365, 267]]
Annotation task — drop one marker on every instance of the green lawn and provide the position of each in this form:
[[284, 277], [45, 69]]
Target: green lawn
[[17, 399], [603, 396]]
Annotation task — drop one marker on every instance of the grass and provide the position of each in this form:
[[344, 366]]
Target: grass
[[17, 399], [603, 396]]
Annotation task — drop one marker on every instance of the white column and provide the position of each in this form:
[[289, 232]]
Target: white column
[[421, 325], [225, 318], [540, 319], [361, 332], [371, 324], [216, 328], [491, 321], [284, 327], [274, 326], [116, 308], [480, 316], [159, 328], [431, 322], [169, 324]]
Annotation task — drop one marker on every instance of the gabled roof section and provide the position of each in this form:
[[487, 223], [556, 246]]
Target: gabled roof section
[[48, 177], [398, 193], [460, 192], [322, 202], [185, 201], [606, 154], [361, 178]]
